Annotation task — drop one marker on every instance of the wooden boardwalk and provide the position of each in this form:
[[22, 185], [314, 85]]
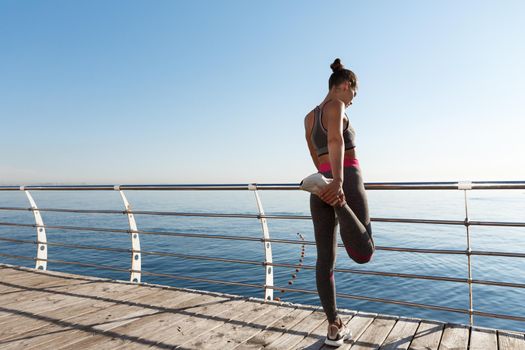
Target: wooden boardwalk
[[49, 310]]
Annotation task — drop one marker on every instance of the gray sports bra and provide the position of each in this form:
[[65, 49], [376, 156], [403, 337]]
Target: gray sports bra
[[319, 134]]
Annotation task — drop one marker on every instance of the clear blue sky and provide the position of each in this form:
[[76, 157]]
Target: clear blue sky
[[216, 91]]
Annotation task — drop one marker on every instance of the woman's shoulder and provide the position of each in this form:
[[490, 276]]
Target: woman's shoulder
[[308, 118], [334, 107], [334, 104]]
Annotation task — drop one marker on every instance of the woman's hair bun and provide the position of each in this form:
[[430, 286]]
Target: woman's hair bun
[[337, 65]]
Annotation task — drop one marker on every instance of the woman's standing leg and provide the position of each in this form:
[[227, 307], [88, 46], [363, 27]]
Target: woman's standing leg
[[325, 224]]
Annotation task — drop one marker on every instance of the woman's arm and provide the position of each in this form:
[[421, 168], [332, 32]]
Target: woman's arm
[[334, 124], [333, 193]]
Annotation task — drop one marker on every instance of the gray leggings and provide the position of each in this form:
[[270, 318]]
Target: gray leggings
[[355, 230]]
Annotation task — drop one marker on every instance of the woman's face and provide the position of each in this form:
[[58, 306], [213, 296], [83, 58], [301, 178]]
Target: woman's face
[[350, 93]]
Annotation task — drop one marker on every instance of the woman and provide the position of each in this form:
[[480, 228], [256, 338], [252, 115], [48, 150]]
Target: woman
[[337, 190]]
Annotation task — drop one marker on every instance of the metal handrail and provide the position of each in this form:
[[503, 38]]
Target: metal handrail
[[448, 185], [268, 264], [271, 216]]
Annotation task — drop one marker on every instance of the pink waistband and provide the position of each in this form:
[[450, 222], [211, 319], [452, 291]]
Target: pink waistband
[[347, 162]]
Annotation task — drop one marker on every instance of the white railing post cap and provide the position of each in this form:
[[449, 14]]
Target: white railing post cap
[[464, 185], [252, 187]]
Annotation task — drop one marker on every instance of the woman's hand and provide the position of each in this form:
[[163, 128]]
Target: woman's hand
[[333, 194]]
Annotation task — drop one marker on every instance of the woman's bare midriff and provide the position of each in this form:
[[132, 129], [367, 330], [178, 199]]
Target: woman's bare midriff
[[349, 154]]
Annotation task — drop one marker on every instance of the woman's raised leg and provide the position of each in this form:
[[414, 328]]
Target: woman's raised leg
[[353, 217]]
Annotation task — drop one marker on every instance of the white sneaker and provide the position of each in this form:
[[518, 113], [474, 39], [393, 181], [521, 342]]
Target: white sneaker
[[314, 183], [337, 335]]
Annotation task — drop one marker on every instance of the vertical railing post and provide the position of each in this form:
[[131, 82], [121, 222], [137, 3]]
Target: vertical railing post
[[465, 186], [136, 259], [41, 238], [268, 258]]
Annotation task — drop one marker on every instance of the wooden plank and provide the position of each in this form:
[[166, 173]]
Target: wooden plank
[[80, 325], [315, 340], [115, 334], [357, 325], [483, 339], [28, 280], [225, 336], [427, 336], [105, 291], [31, 277], [197, 326], [376, 333], [77, 325], [268, 335], [401, 335], [511, 341], [242, 332], [5, 290], [455, 337], [263, 323], [8, 271], [45, 299], [42, 331], [25, 320], [298, 332], [159, 329]]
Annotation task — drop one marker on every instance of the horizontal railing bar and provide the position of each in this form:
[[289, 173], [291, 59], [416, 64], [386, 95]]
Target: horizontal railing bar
[[420, 250], [405, 303], [496, 223], [270, 216], [157, 233], [21, 257], [450, 185], [201, 235], [405, 275], [74, 228], [103, 267], [22, 241], [420, 221], [277, 217], [62, 210], [392, 249], [499, 284], [502, 254], [201, 257], [379, 300], [66, 262], [76, 246], [377, 273], [207, 280], [493, 315], [16, 208]]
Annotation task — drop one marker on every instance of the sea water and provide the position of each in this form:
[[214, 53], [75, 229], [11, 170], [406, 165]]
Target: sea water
[[483, 205]]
